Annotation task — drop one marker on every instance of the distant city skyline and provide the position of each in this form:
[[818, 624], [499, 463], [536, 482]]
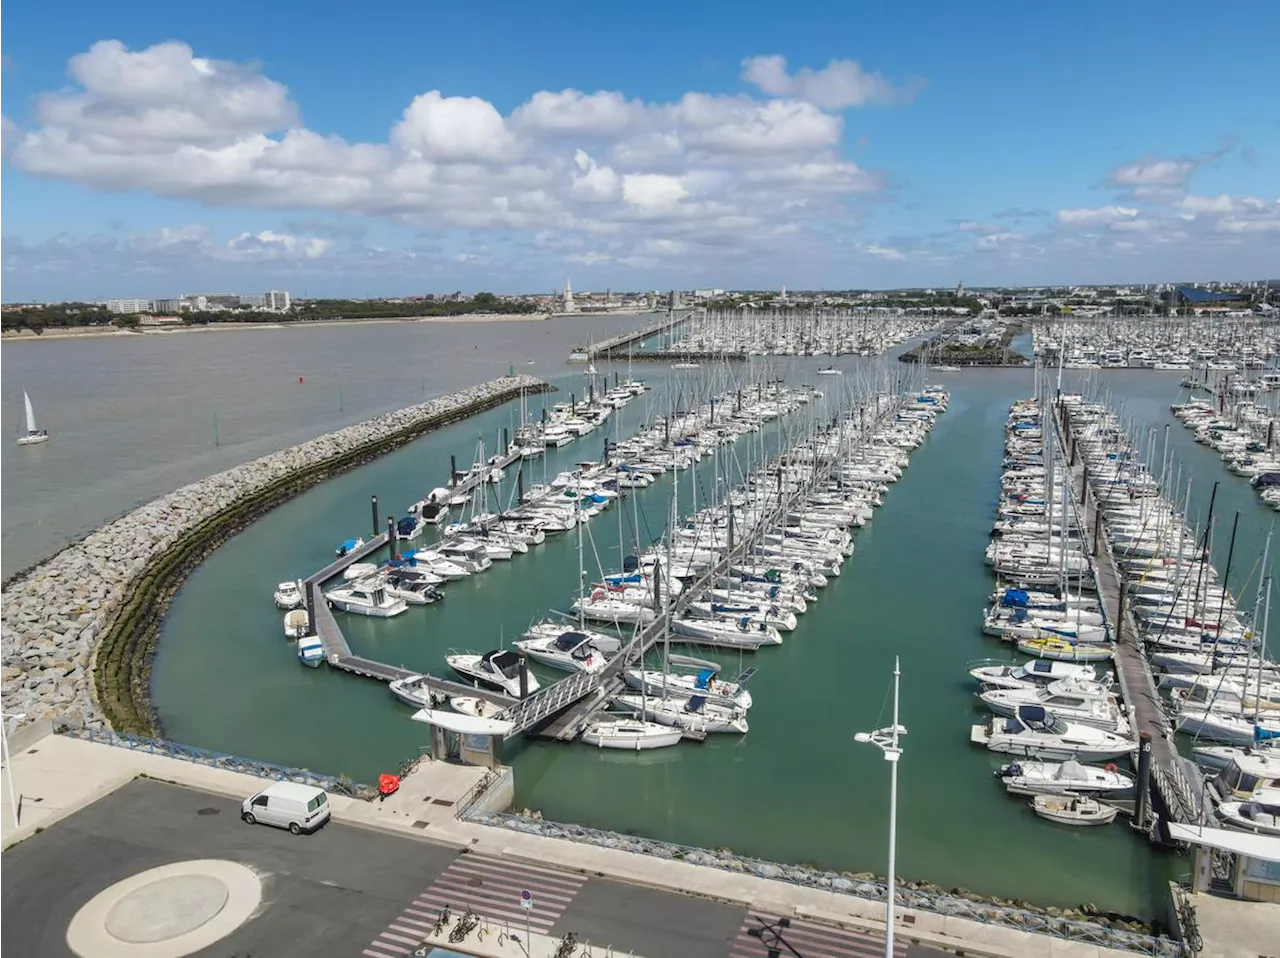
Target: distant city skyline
[[810, 146]]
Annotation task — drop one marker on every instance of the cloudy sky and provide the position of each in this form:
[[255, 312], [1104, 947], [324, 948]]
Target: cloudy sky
[[152, 149]]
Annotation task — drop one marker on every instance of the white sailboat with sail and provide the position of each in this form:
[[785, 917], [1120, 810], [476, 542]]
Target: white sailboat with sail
[[32, 435]]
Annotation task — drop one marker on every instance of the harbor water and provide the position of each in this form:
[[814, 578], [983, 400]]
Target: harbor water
[[796, 788]]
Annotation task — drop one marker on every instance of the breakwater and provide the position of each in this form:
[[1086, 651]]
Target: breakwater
[[78, 631]]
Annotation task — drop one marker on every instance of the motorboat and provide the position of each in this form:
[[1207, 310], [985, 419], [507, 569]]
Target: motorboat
[[829, 371], [1064, 778], [413, 587], [467, 554], [431, 561], [365, 598], [1038, 672], [32, 436], [1035, 732], [499, 669], [288, 595], [410, 527], [608, 644], [1073, 700], [435, 508], [296, 624], [477, 706], [1260, 815], [628, 733], [310, 651], [1074, 810], [360, 570], [1243, 773], [568, 651], [348, 546], [415, 691]]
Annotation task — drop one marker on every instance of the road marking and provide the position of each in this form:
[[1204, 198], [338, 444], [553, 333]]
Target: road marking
[[812, 939], [488, 886]]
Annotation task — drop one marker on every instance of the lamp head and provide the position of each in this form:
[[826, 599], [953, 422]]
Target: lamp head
[[863, 737]]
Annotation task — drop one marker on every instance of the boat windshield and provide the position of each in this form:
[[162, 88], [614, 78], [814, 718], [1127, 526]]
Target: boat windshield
[[1054, 724]]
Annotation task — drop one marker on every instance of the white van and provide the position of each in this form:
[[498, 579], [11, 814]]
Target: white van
[[299, 808]]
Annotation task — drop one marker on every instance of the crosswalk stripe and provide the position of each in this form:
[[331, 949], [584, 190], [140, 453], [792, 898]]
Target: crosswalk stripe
[[488, 886]]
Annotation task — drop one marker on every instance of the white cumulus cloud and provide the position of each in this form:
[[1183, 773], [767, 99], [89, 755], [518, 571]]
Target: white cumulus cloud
[[1100, 216], [839, 85]]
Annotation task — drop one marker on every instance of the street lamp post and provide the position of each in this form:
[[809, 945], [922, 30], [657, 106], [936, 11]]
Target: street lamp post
[[8, 764], [886, 739]]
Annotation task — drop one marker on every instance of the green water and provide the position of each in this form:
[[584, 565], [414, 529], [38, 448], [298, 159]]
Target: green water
[[796, 788]]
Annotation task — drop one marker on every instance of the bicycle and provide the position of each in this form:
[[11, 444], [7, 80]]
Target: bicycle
[[568, 945], [442, 922], [466, 924]]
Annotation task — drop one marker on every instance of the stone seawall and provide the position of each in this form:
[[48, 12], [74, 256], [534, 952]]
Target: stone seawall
[[78, 630]]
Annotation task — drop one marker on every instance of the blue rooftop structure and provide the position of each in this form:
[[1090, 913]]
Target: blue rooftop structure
[[1192, 295]]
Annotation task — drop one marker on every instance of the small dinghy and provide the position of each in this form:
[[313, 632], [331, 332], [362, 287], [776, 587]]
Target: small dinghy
[[473, 705], [296, 624], [1067, 810]]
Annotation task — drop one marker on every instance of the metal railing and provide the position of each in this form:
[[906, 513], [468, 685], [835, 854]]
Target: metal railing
[[334, 784], [476, 792]]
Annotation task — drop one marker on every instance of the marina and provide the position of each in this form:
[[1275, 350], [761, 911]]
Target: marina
[[774, 331], [358, 733], [887, 550]]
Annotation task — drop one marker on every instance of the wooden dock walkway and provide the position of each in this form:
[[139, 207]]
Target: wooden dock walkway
[[1178, 781]]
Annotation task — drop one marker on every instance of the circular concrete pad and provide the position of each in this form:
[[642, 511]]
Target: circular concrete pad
[[166, 908], [166, 912]]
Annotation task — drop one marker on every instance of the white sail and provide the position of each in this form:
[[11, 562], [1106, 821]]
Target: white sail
[[31, 413]]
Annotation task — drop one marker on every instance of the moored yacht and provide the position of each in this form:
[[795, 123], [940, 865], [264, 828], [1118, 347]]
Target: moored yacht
[[499, 669]]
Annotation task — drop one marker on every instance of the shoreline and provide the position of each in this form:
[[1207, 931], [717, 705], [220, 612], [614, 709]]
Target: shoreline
[[25, 335], [81, 626]]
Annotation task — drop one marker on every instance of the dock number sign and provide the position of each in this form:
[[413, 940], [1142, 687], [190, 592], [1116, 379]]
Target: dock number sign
[[526, 900]]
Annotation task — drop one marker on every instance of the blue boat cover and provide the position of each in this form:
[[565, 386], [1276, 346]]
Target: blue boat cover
[[1016, 598], [1261, 734], [704, 679], [406, 525]]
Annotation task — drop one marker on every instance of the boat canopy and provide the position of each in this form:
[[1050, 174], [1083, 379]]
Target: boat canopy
[[704, 678], [1265, 479], [569, 641], [695, 703], [406, 525], [1071, 770], [502, 660]]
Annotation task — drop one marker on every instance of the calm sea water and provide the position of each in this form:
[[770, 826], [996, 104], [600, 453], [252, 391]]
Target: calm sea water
[[796, 788], [134, 417]]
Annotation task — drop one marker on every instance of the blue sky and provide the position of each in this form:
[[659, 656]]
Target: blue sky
[[152, 149]]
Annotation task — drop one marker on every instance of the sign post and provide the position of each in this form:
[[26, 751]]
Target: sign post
[[526, 902]]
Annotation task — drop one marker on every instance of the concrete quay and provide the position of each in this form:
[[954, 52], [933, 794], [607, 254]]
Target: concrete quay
[[586, 354], [57, 777], [78, 629]]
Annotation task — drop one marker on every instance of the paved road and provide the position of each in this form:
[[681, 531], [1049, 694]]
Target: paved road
[[326, 894], [355, 893]]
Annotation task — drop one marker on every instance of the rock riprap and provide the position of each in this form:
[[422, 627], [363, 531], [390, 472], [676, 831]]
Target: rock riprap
[[55, 614]]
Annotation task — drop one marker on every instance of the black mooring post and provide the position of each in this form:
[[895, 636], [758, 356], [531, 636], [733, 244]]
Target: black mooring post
[[524, 676], [373, 505], [453, 470], [391, 536], [1144, 782]]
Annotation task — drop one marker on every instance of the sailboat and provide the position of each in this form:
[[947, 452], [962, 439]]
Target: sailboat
[[32, 435]]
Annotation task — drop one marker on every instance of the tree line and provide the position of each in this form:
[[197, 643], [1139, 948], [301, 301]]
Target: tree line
[[64, 315]]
